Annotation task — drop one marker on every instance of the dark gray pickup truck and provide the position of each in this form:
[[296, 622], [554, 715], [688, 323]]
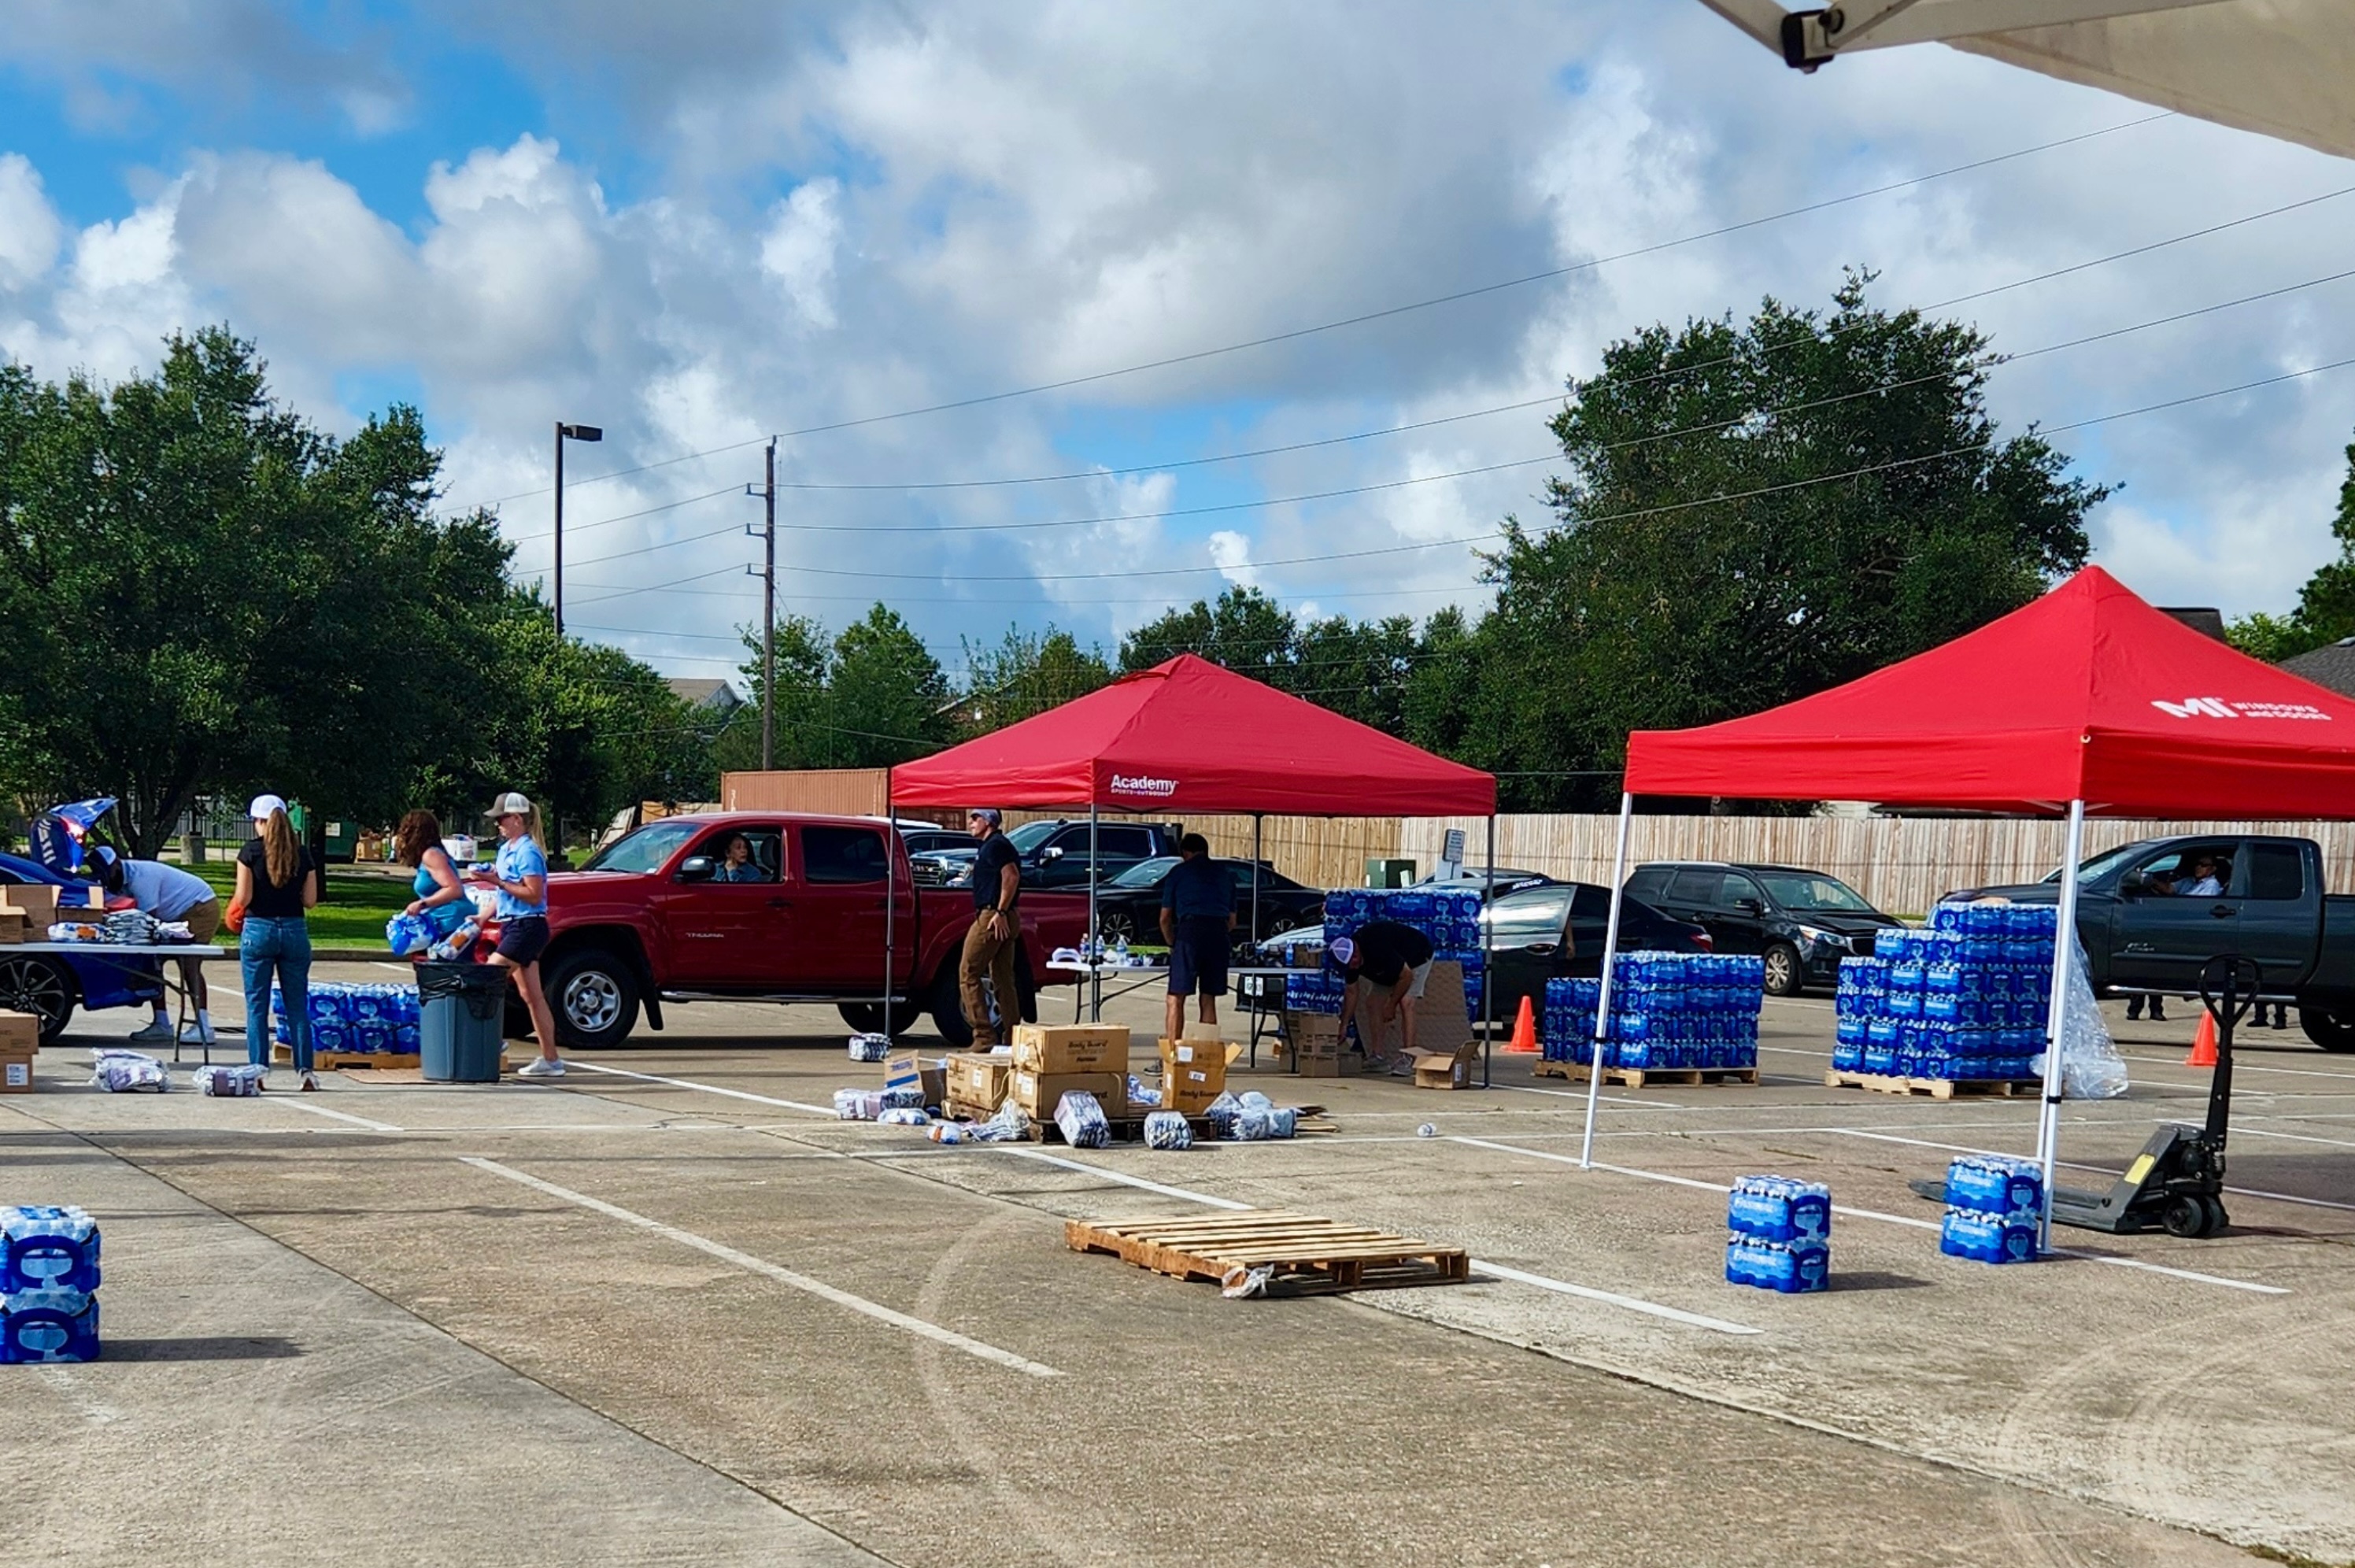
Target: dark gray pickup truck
[[2145, 930]]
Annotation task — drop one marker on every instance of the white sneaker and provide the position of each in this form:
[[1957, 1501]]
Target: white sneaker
[[542, 1067], [197, 1034], [157, 1032]]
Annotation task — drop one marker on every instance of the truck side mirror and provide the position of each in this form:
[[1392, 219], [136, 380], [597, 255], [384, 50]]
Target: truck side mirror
[[1747, 906], [2134, 884], [1052, 852], [695, 868]]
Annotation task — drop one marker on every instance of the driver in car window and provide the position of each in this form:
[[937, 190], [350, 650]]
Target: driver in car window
[[2207, 879], [737, 865]]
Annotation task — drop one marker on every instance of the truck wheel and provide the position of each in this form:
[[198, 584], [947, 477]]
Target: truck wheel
[[40, 987], [948, 1011], [593, 992], [1117, 925], [1784, 972], [867, 1018], [2327, 1028]]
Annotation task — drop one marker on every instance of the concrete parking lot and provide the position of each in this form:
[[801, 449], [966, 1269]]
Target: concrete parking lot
[[669, 1309]]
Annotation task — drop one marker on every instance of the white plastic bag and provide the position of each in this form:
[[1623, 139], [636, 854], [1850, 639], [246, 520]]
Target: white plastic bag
[[2091, 1068]]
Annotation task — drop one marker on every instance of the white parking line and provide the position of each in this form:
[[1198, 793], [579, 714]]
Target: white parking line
[[1519, 1276], [2080, 1165], [1905, 1220], [762, 1266], [2248, 1131], [370, 1123], [579, 1066]]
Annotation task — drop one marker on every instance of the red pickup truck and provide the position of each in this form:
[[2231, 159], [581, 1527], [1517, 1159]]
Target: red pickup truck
[[662, 915]]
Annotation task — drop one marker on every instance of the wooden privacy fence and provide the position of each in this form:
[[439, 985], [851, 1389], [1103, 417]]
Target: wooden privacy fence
[[1901, 863]]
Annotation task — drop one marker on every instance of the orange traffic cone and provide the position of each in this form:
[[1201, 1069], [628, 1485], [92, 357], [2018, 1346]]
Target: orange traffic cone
[[2203, 1041], [1525, 1031]]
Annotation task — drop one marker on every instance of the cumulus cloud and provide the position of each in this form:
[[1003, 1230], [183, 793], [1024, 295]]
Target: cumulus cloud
[[856, 209]]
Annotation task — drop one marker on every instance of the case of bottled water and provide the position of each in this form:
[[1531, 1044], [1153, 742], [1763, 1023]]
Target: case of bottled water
[[1994, 1185], [1779, 1209], [48, 1247], [1668, 1010], [1966, 999], [1987, 1238], [1791, 1267], [368, 1018], [49, 1325]]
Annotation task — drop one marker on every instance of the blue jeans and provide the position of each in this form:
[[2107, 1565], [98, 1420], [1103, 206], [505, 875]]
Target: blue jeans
[[284, 946]]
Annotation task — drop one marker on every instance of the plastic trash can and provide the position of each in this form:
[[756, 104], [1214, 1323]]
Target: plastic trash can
[[462, 1007]]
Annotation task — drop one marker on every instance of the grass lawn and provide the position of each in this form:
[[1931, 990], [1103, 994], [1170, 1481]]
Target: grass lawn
[[352, 908]]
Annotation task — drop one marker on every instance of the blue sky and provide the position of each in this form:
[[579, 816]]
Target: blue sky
[[700, 225]]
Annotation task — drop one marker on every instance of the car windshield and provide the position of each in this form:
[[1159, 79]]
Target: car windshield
[[1145, 873], [1031, 835], [647, 849], [2100, 866], [1804, 892]]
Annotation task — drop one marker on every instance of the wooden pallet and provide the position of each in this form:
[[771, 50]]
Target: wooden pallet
[[339, 1061], [1936, 1088], [1636, 1077], [1308, 1254]]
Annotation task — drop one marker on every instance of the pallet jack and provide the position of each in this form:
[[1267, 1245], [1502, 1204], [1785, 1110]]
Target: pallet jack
[[2177, 1182]]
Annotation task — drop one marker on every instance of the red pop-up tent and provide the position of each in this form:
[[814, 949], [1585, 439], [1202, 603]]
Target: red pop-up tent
[[2088, 700], [1191, 735]]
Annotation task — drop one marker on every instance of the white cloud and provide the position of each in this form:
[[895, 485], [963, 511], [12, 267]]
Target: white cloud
[[30, 234], [798, 252]]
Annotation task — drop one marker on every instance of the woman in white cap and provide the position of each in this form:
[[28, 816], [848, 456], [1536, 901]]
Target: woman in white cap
[[521, 875], [277, 882]]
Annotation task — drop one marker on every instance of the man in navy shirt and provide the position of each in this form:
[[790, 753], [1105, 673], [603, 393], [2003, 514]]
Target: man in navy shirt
[[1198, 921], [989, 942], [1387, 966]]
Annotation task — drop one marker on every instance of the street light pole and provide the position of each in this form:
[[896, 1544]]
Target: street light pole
[[566, 432], [769, 623]]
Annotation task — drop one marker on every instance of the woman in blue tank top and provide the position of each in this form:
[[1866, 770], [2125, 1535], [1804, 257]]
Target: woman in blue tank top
[[442, 898]]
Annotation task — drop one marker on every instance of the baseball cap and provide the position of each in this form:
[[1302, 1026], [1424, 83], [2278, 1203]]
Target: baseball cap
[[263, 804], [1342, 951], [510, 803]]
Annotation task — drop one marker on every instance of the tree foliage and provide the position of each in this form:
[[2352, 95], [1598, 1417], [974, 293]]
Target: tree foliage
[[2326, 605], [1025, 674], [871, 697]]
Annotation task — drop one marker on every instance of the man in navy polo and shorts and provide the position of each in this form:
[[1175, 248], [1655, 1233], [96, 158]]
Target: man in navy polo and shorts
[[1198, 921]]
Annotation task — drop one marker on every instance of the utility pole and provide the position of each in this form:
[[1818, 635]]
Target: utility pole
[[769, 619], [566, 432], [768, 575]]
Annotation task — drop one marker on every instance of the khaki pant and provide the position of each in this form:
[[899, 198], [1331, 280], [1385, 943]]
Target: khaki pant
[[992, 956]]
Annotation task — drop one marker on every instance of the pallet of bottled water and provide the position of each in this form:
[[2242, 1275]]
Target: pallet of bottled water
[[48, 1283], [1449, 918], [1994, 1206], [1689, 1013], [1778, 1234], [363, 1020], [1964, 1001]]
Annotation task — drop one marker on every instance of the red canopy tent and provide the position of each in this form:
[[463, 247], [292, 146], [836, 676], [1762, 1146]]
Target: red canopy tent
[[1191, 735], [2087, 701]]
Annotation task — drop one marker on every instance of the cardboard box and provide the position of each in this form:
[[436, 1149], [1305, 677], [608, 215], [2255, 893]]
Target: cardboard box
[[1314, 1039], [39, 903], [1040, 1093], [13, 927], [19, 1031], [1071, 1048], [1193, 1073], [16, 1072], [1457, 1069], [976, 1082], [905, 1067]]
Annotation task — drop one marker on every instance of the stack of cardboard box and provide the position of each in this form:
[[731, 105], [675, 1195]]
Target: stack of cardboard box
[[20, 1038], [26, 912], [1045, 1062]]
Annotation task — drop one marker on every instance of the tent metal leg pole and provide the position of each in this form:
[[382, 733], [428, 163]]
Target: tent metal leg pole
[[2064, 949], [1603, 1003], [1489, 958], [890, 893], [1095, 968], [1257, 823]]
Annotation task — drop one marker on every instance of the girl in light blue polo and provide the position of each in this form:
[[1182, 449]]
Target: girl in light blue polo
[[521, 875]]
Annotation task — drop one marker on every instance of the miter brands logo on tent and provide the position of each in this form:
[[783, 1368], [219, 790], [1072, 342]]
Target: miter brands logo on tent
[[2217, 708], [1143, 783]]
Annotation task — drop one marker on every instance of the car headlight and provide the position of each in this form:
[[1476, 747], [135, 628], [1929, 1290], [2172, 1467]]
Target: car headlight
[[1823, 938]]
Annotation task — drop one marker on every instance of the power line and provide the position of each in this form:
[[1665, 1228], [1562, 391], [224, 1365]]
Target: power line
[[1365, 317]]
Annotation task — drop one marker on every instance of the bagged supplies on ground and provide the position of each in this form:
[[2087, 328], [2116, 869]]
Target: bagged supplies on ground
[[869, 1046], [1167, 1129], [1252, 1125], [37, 1326], [1283, 1121], [121, 1071], [1010, 1124], [1221, 1114], [1252, 1100], [859, 1104], [241, 1082], [2090, 1067], [904, 1116], [1142, 1095], [903, 1097], [1080, 1118], [48, 1246]]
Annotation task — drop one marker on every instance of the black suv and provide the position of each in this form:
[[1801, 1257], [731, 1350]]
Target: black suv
[[1802, 922]]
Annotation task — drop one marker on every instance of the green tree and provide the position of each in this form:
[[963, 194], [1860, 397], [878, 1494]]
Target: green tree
[[1244, 630], [1751, 513], [2326, 605], [1024, 674], [873, 696], [200, 591]]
